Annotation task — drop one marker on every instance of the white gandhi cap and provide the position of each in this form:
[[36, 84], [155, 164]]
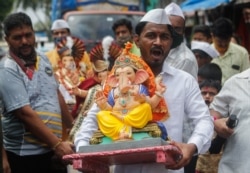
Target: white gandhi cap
[[59, 24], [174, 9], [157, 16], [205, 47]]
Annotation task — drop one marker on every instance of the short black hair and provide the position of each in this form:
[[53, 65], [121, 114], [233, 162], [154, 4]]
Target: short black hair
[[222, 28], [16, 20], [211, 83], [210, 71], [204, 29], [122, 22]]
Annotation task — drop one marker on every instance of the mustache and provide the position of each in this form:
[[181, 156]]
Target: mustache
[[29, 59], [207, 102], [157, 49], [25, 45]]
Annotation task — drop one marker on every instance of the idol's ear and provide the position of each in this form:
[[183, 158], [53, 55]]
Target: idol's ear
[[141, 76], [112, 81]]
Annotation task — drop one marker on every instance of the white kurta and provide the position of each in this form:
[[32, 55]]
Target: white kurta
[[183, 58], [234, 98]]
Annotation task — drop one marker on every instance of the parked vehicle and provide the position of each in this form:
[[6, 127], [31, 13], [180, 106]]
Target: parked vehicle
[[92, 20], [92, 26]]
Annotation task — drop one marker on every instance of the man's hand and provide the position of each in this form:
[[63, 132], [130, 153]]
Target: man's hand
[[64, 148], [222, 129], [188, 151]]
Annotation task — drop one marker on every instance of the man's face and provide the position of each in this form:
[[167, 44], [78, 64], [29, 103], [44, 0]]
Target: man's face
[[178, 24], [59, 33], [208, 94], [221, 45], [123, 35], [202, 60], [199, 36], [21, 41], [154, 42]]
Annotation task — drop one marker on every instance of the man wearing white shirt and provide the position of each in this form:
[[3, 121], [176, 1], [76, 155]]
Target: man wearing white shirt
[[184, 59], [180, 57], [155, 38]]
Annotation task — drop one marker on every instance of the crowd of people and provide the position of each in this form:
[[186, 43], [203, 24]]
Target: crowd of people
[[52, 103]]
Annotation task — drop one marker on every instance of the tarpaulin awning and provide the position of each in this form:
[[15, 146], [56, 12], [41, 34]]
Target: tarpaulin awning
[[242, 1], [195, 5]]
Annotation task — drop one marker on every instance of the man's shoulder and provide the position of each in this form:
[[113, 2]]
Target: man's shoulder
[[177, 73], [234, 80], [238, 48], [7, 62], [183, 52], [188, 52], [51, 53], [3, 60], [43, 56], [244, 74], [183, 74]]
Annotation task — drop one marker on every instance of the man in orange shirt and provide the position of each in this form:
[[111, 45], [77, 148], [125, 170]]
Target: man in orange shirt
[[60, 29]]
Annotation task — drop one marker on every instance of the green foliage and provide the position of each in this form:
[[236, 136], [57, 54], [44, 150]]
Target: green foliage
[[34, 4], [6, 7]]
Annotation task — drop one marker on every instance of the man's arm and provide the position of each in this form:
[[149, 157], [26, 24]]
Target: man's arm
[[6, 166], [220, 124], [198, 114], [216, 115], [36, 126], [87, 129]]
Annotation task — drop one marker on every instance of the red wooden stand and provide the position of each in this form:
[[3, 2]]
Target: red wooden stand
[[99, 162]]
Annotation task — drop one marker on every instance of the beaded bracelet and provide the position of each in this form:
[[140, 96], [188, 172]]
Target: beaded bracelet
[[57, 144]]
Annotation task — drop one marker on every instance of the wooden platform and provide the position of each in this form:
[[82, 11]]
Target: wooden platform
[[98, 158]]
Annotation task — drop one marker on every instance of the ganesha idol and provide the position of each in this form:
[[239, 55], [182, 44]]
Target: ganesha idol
[[70, 50], [128, 104], [132, 99]]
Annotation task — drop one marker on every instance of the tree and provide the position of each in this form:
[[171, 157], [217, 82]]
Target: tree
[[6, 7], [34, 5]]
